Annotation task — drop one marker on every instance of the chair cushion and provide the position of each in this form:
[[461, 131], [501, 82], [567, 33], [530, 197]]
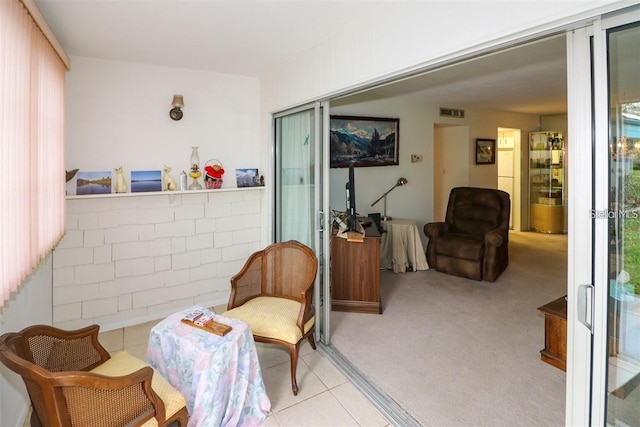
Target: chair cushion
[[271, 317], [460, 246], [124, 363]]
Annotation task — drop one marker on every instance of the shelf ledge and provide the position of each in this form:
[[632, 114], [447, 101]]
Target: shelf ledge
[[161, 193]]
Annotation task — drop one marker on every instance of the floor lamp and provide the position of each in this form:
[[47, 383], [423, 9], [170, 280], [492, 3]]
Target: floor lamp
[[401, 181]]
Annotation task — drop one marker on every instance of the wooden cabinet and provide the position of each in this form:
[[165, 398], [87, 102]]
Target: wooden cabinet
[[555, 333], [355, 274]]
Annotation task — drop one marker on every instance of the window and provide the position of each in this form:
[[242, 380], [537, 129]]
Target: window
[[32, 188]]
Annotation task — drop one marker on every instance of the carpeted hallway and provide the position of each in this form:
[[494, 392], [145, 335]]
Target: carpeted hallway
[[455, 352]]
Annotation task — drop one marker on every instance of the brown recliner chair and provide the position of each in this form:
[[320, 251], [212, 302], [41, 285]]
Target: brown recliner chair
[[473, 240]]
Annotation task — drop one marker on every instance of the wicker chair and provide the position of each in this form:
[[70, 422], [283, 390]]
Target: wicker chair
[[72, 381], [273, 293]]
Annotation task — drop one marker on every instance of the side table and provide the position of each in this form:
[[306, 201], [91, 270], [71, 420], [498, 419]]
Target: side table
[[555, 333], [401, 247], [219, 376]]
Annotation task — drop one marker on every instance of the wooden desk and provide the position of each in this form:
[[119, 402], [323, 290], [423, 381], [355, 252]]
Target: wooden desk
[[355, 273], [555, 333]]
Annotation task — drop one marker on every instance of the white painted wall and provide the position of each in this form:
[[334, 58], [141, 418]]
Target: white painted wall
[[117, 113], [451, 168], [399, 37], [409, 201], [31, 304]]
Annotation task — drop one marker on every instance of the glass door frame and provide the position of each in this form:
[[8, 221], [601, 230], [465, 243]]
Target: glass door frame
[[321, 246], [588, 246], [580, 165], [599, 382]]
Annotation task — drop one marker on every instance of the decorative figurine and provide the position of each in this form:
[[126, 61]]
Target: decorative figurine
[[121, 183], [169, 184], [70, 174], [213, 172], [183, 181]]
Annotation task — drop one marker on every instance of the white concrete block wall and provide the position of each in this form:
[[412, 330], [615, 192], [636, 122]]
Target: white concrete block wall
[[128, 259]]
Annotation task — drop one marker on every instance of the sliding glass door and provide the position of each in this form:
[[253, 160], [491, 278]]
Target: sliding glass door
[[603, 361], [300, 194]]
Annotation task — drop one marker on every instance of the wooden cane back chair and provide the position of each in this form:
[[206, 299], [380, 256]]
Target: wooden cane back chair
[[73, 381], [273, 293]]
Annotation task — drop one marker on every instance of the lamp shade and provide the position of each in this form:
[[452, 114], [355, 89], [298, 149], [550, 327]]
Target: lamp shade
[[177, 101]]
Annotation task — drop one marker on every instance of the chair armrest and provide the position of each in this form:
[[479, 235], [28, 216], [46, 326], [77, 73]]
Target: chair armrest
[[435, 229], [125, 400], [496, 237], [307, 310], [247, 283]]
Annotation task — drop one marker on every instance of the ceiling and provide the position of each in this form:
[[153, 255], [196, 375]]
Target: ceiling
[[254, 38], [531, 78]]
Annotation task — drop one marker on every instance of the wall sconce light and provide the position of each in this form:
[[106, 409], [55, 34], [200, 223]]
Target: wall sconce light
[[176, 105], [401, 181]]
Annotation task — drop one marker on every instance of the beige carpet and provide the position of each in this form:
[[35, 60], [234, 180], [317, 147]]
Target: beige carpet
[[456, 352]]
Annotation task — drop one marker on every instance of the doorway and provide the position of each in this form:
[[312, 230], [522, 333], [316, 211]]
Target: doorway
[[448, 145]]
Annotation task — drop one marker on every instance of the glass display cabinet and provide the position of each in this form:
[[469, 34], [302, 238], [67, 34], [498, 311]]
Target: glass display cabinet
[[546, 181]]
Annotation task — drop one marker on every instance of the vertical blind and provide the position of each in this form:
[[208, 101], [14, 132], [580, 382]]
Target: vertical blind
[[32, 187]]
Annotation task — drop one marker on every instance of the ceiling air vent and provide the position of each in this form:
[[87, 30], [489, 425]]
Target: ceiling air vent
[[451, 112]]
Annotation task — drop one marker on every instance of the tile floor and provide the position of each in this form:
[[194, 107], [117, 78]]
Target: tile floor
[[325, 397]]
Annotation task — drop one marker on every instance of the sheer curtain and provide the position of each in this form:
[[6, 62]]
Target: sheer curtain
[[32, 188], [297, 145]]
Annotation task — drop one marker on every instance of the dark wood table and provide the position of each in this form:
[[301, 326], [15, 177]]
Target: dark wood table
[[555, 333]]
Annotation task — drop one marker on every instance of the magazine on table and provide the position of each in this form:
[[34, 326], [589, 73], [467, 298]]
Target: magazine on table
[[206, 322]]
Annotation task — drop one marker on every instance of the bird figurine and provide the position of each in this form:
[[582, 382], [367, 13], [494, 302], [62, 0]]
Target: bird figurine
[[71, 174]]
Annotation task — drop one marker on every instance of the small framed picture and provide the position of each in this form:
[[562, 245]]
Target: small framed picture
[[485, 151], [93, 183], [143, 181], [247, 178]]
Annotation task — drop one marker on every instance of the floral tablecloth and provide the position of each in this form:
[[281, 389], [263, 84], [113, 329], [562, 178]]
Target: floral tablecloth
[[219, 376]]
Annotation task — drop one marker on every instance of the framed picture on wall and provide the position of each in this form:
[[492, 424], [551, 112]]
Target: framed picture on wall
[[363, 141], [485, 151]]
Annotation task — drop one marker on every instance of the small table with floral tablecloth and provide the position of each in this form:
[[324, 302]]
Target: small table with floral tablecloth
[[219, 376]]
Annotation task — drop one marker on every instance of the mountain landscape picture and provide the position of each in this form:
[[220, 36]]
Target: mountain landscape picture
[[363, 141]]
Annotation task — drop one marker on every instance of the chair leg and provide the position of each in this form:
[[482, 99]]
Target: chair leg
[[293, 354]]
